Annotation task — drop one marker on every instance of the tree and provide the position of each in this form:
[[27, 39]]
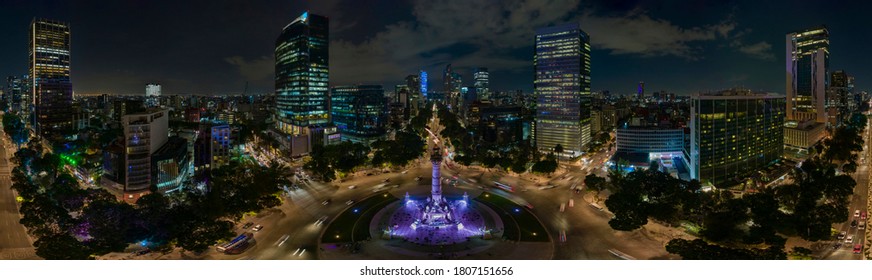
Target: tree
[[61, 246], [559, 151], [547, 166], [629, 209], [698, 249], [595, 184]]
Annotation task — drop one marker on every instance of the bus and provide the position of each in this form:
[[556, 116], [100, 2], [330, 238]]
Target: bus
[[238, 244], [504, 187]]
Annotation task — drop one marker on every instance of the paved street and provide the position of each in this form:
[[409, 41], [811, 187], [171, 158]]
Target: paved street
[[859, 201], [14, 242]]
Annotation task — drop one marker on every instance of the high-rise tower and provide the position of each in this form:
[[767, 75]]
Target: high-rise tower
[[562, 88], [302, 60], [51, 88], [808, 59]]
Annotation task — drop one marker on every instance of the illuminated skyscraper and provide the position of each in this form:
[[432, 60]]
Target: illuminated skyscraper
[[481, 84], [562, 88], [52, 90], [423, 80], [302, 95], [808, 59], [359, 112]]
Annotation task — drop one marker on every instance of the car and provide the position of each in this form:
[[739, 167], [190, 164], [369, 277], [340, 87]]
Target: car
[[325, 202], [352, 187], [856, 213], [350, 202], [863, 215], [842, 235], [858, 248], [386, 180], [837, 245], [368, 174], [321, 221], [247, 225], [418, 178], [257, 228], [850, 239], [406, 171], [854, 223]]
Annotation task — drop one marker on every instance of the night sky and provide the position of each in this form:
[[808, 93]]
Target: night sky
[[215, 46]]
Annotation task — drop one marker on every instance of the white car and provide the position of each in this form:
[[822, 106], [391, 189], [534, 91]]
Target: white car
[[352, 187], [350, 202], [850, 239], [856, 213], [257, 228]]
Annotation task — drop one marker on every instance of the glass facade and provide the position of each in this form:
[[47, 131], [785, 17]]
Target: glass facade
[[302, 97], [50, 73], [808, 59], [359, 112], [734, 134], [562, 88], [481, 83]]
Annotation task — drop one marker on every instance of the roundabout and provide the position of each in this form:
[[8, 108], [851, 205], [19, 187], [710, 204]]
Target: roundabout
[[435, 225]]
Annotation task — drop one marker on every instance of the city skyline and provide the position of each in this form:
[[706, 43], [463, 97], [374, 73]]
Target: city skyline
[[726, 44]]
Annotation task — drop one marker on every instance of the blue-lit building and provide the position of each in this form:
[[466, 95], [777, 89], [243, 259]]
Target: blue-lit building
[[639, 146], [301, 75], [423, 79], [359, 112], [562, 89]]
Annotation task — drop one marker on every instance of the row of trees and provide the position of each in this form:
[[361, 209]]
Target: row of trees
[[70, 222], [406, 146], [510, 156], [753, 226]]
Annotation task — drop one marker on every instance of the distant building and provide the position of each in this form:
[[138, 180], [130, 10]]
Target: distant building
[[15, 96], [52, 90], [152, 95], [221, 145], [481, 79], [733, 134], [562, 87], [596, 121], [640, 146], [359, 112], [808, 60]]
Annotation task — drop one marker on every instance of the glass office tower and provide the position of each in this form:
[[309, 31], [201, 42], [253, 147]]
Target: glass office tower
[[52, 90], [359, 112], [562, 88], [302, 97], [808, 60]]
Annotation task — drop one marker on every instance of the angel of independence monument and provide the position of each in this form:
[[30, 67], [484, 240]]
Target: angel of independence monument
[[437, 220]]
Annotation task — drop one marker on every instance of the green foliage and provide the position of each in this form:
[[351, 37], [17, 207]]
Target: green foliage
[[61, 247], [698, 249], [406, 146], [15, 127], [546, 166], [342, 157]]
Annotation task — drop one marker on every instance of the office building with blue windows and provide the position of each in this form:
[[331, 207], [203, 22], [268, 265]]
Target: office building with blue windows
[[359, 112]]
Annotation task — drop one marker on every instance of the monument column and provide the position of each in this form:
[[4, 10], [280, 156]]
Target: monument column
[[436, 185]]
